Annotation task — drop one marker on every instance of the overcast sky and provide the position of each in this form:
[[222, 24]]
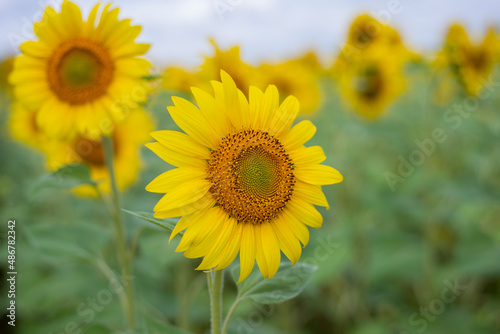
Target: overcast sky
[[265, 29]]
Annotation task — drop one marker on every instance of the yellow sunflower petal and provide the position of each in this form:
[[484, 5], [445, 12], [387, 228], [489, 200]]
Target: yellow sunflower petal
[[310, 193], [288, 242], [180, 142], [181, 225], [130, 50], [209, 238], [247, 251], [254, 106], [270, 248], [192, 122], [214, 115], [167, 181], [270, 104], [199, 205], [214, 256], [232, 247], [201, 224], [307, 155], [318, 174], [284, 117], [184, 194], [175, 158], [259, 252], [89, 26], [297, 227], [298, 135], [35, 49], [305, 212], [231, 100]]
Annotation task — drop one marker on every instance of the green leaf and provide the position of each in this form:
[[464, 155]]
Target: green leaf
[[167, 224], [288, 282], [67, 177]]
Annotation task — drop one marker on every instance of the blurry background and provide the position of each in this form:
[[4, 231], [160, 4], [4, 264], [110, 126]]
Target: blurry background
[[178, 30], [414, 254]]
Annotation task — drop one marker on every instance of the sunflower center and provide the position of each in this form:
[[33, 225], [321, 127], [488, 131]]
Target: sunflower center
[[91, 152], [370, 84], [251, 175], [80, 71], [477, 58]]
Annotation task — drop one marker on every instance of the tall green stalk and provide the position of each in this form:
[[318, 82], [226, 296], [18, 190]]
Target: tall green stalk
[[124, 255], [215, 286]]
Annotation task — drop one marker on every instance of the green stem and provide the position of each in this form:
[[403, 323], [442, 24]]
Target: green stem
[[230, 314], [123, 253], [215, 285]]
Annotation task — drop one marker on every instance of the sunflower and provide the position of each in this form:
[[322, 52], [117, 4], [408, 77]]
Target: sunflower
[[373, 82], [293, 78], [128, 136], [310, 61], [471, 63], [23, 127], [366, 34], [82, 77], [230, 61], [245, 182], [179, 79]]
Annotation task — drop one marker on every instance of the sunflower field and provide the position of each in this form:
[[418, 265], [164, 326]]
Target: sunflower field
[[358, 195]]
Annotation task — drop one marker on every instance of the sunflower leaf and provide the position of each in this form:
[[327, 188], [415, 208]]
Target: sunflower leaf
[[67, 177], [167, 224], [288, 282]]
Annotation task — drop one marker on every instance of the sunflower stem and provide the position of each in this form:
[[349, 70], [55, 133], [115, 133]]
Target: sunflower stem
[[215, 286], [123, 253]]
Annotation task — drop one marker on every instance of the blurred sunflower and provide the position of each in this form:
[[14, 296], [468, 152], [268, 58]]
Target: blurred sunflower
[[310, 61], [373, 83], [23, 127], [79, 75], [293, 78], [365, 34], [128, 137], [471, 64], [245, 182], [179, 79], [229, 61]]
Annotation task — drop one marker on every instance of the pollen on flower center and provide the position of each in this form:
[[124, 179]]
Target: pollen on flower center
[[80, 71], [251, 175]]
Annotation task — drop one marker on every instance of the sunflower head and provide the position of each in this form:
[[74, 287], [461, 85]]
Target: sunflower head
[[228, 60], [364, 32], [82, 76], [128, 136], [23, 127], [371, 84], [179, 79], [244, 183], [471, 63], [293, 78]]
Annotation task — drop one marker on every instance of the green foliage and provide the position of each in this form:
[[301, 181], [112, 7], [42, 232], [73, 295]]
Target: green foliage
[[288, 282], [167, 224], [66, 177], [385, 257]]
